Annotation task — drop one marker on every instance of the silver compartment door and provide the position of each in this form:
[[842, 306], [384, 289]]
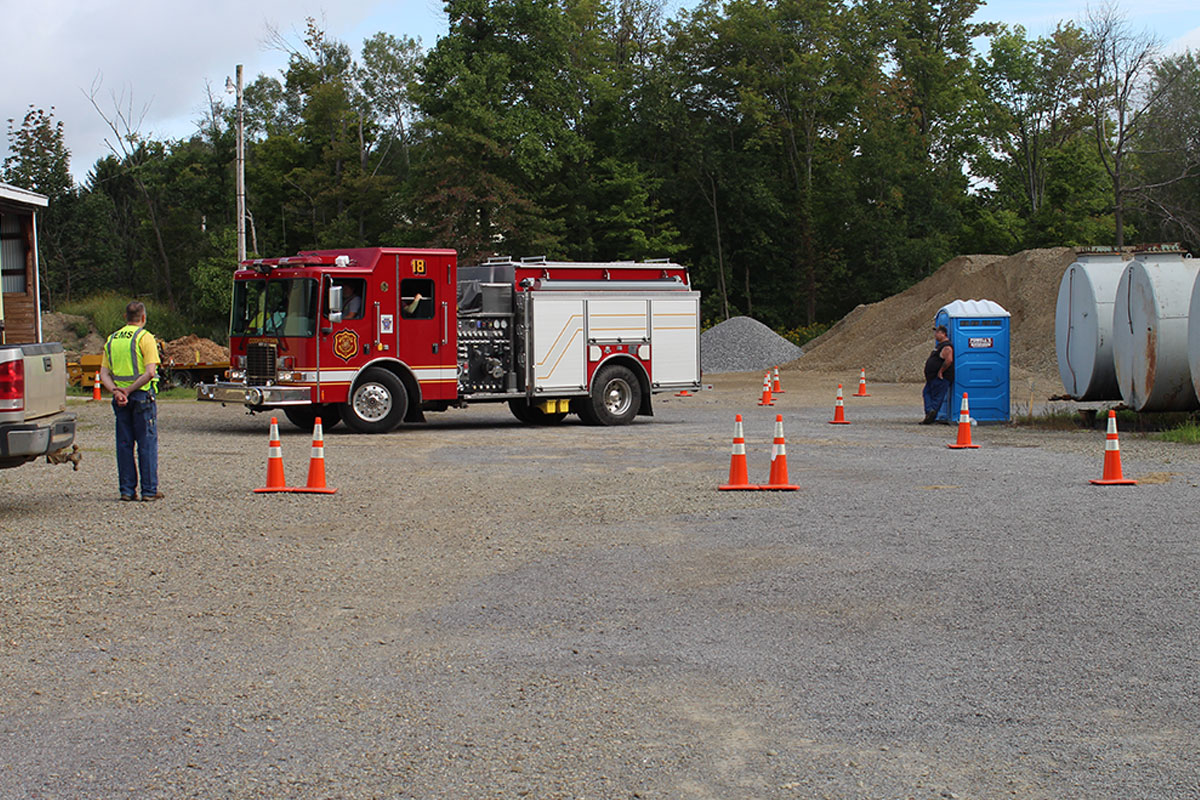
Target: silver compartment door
[[559, 343], [624, 321], [675, 346]]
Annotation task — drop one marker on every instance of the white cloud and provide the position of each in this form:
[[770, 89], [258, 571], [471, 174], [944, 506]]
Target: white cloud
[[1188, 41], [157, 53]]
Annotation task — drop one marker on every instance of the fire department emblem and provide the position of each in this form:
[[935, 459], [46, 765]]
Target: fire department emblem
[[345, 344]]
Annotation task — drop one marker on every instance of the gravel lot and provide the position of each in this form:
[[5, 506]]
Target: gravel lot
[[489, 610]]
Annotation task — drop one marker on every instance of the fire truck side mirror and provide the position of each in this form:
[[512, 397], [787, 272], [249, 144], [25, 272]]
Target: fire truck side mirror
[[335, 303]]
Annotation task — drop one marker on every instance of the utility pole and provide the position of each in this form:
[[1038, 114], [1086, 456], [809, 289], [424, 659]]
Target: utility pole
[[241, 168]]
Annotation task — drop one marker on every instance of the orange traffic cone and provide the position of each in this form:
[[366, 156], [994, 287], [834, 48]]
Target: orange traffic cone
[[275, 482], [739, 478], [839, 410], [778, 479], [862, 384], [964, 428], [767, 400], [777, 389], [1112, 458], [316, 464], [96, 388]]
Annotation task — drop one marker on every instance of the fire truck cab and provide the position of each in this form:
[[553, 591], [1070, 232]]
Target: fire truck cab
[[377, 336]]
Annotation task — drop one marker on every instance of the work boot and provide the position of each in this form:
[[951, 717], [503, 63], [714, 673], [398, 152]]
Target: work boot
[[150, 498], [125, 498], [929, 418]]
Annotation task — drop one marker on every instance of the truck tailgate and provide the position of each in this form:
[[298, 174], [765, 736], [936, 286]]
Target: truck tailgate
[[45, 370]]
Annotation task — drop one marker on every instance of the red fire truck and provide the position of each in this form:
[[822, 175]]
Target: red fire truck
[[377, 336]]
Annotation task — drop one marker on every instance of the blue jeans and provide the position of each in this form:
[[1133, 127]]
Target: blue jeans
[[137, 424], [935, 394]]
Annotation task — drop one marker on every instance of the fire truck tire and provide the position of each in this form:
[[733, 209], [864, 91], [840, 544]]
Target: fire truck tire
[[377, 403], [532, 415], [615, 399], [305, 417]]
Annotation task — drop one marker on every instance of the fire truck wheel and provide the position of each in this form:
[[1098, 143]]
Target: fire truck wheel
[[532, 415], [377, 403], [615, 399], [305, 417]]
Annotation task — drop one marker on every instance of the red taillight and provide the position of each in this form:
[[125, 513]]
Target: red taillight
[[12, 385]]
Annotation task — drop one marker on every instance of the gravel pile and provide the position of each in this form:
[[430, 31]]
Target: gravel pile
[[742, 344]]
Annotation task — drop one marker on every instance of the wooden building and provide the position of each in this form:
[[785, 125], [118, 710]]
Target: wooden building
[[20, 309]]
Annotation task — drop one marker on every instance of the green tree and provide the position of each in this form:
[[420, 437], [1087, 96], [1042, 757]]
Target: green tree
[[503, 110], [1035, 94], [1123, 97], [1169, 153], [38, 158]]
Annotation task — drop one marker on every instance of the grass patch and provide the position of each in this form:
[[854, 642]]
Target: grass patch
[[1053, 420], [1169, 426], [1184, 433]]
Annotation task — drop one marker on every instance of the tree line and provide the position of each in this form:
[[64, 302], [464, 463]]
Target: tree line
[[801, 156]]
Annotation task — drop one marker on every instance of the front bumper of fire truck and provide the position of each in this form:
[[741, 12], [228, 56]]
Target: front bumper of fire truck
[[228, 392]]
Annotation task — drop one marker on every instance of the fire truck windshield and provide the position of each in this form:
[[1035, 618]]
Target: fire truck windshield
[[278, 307]]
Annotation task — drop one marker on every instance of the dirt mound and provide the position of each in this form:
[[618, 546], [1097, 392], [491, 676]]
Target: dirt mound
[[76, 333], [891, 338], [191, 349]]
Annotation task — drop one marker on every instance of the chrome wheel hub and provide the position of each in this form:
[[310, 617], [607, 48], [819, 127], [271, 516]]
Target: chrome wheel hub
[[617, 397], [372, 402]]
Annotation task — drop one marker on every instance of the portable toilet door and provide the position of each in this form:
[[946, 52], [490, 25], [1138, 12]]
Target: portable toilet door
[[979, 334]]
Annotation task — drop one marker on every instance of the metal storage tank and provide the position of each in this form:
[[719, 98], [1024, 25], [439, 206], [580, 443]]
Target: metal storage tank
[[1194, 338], [1150, 332], [1083, 322]]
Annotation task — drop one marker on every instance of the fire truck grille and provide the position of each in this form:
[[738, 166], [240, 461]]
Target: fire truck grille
[[260, 363]]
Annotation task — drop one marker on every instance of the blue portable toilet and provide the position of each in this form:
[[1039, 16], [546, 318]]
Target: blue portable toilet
[[979, 334]]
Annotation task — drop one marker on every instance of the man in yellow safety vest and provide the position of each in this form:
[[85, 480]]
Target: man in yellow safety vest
[[129, 369]]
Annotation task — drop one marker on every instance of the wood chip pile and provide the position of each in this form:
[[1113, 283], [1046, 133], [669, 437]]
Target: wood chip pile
[[191, 349]]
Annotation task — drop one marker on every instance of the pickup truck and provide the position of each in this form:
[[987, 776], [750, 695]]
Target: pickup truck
[[33, 400]]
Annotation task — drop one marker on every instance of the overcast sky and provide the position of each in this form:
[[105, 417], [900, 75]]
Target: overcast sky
[[156, 57]]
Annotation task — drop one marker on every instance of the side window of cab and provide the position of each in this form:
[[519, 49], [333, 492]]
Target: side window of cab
[[416, 298], [353, 297]]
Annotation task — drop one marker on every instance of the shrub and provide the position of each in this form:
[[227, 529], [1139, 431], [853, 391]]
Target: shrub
[[107, 313]]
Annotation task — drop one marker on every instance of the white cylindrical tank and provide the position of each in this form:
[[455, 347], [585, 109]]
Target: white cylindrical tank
[[1150, 332], [1194, 338], [1083, 325]]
